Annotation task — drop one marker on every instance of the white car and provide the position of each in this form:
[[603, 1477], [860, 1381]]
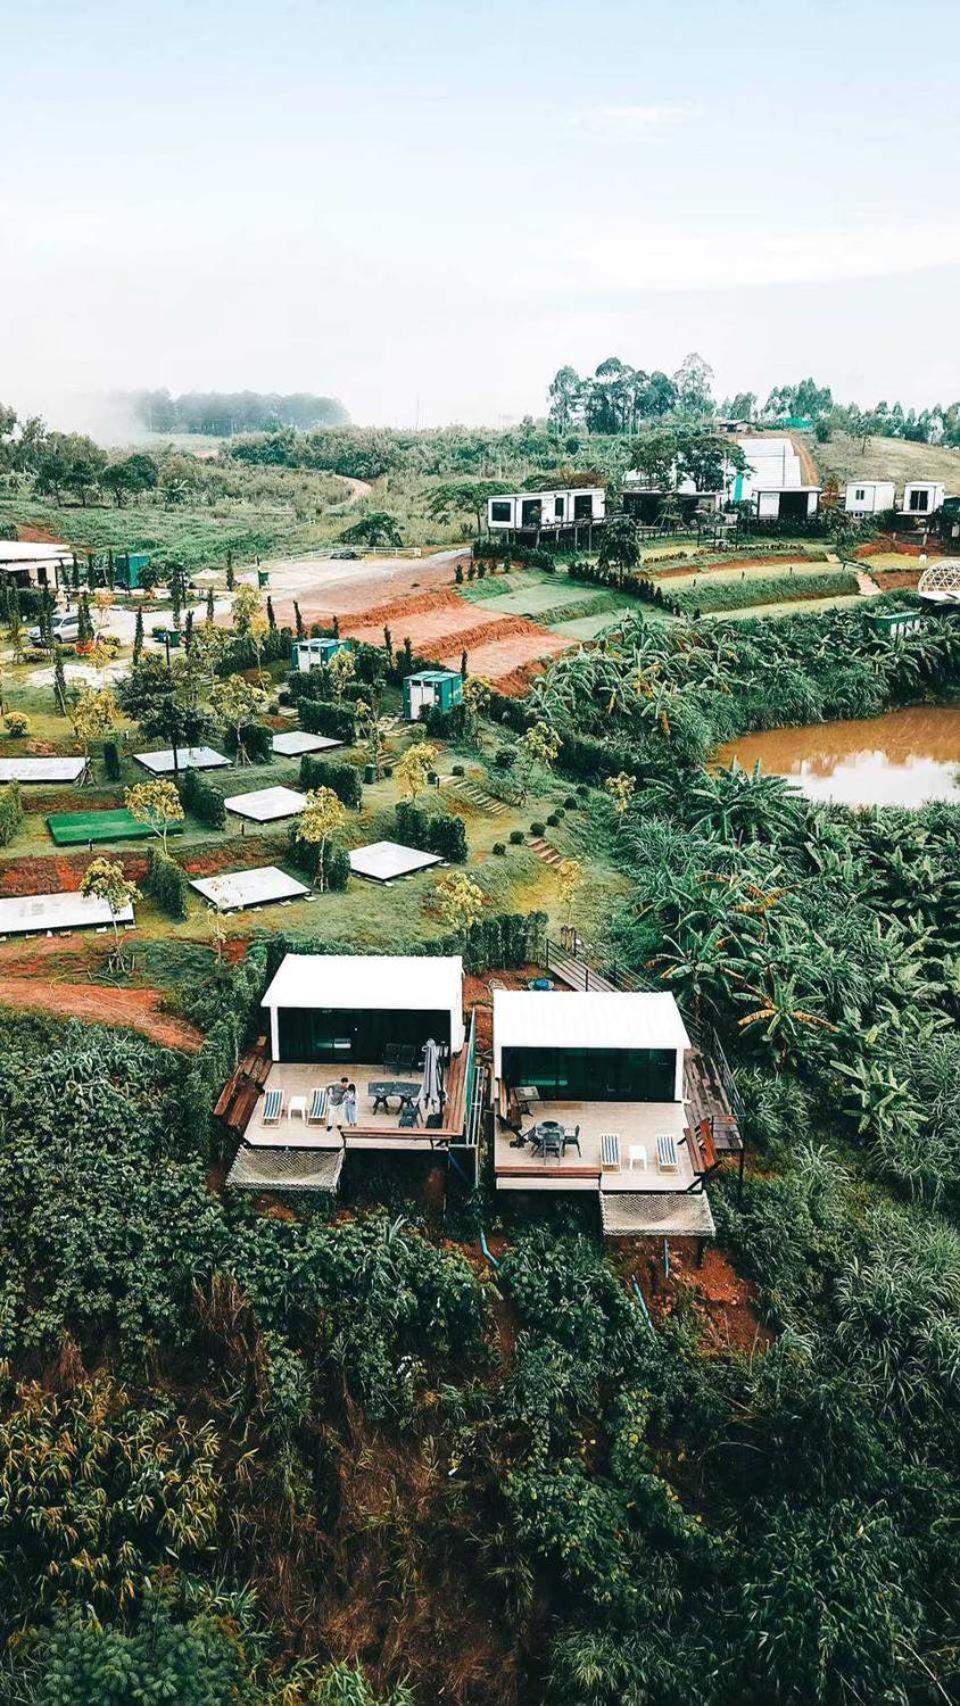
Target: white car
[[65, 628]]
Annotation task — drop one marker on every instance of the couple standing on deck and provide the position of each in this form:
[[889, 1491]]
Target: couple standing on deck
[[342, 1104]]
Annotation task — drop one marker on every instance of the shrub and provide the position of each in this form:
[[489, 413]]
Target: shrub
[[11, 813], [505, 758], [322, 717], [202, 800], [442, 833], [257, 741], [457, 770], [167, 882], [537, 828], [765, 589], [559, 813], [17, 724], [499, 848], [111, 760], [571, 802], [553, 820], [516, 837], [344, 779]]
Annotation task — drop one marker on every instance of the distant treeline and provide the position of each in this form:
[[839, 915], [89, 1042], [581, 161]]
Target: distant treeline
[[224, 413]]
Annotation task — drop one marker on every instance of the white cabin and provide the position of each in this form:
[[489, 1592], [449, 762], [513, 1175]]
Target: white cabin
[[546, 511], [923, 497], [869, 497], [773, 481]]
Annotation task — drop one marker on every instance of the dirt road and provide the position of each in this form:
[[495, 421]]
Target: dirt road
[[324, 586], [101, 1004]]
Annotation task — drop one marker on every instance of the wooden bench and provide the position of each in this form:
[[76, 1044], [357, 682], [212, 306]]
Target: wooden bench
[[610, 1152]]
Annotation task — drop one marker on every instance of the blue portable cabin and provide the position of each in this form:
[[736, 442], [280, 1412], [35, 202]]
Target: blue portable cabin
[[429, 688], [315, 654]]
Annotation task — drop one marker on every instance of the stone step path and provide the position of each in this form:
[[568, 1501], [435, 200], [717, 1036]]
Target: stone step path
[[544, 851], [478, 796]]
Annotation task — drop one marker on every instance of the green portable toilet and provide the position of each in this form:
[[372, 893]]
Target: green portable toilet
[[263, 577], [128, 567], [431, 688]]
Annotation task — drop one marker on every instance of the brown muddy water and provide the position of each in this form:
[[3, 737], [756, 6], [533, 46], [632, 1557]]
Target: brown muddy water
[[903, 758]]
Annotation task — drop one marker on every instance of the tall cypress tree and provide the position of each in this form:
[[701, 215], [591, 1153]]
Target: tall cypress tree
[[138, 636]]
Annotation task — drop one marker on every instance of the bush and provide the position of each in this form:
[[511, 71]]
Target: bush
[[11, 813], [553, 820], [17, 724], [505, 757], [516, 837], [499, 848], [322, 717], [111, 760], [256, 739], [438, 832], [202, 800], [559, 813], [571, 802], [457, 770], [765, 589], [167, 882], [344, 779], [537, 828]]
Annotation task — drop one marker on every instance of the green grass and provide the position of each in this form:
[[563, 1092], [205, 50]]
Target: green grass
[[75, 829], [886, 459]]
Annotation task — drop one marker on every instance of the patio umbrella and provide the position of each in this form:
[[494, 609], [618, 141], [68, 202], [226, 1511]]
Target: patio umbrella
[[430, 1088]]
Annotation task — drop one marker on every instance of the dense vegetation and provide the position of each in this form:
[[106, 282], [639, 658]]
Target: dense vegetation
[[223, 413]]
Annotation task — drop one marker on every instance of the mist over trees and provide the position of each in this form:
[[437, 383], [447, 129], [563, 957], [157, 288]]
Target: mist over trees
[[224, 413]]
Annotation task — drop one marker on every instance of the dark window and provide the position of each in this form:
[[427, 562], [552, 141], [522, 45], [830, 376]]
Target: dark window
[[501, 509], [920, 500], [583, 507], [558, 508], [531, 511], [330, 1034], [593, 1075]]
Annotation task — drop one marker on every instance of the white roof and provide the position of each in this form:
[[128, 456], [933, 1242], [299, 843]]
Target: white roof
[[188, 758], [267, 805], [296, 742], [21, 914], [233, 889], [773, 465], [532, 1018], [384, 860], [25, 551], [395, 982], [42, 769]]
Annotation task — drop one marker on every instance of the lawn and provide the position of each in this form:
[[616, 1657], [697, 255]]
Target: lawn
[[886, 459]]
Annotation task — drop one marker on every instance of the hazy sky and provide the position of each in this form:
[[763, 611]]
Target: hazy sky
[[423, 204]]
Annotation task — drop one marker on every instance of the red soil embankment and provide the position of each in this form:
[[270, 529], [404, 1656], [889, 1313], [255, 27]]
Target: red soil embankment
[[441, 625], [99, 1004]]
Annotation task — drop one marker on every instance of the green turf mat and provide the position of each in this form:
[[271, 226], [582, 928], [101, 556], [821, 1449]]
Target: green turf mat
[[75, 829]]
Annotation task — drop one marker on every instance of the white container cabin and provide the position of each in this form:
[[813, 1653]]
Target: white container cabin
[[773, 482], [787, 503], [543, 512], [366, 1017], [922, 498], [869, 497], [608, 1068]]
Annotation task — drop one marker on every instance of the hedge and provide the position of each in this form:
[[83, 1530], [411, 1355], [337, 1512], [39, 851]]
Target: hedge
[[344, 779], [593, 760], [710, 595], [111, 760], [322, 717], [205, 802], [500, 940], [167, 882], [257, 741], [442, 833], [11, 813], [306, 856]]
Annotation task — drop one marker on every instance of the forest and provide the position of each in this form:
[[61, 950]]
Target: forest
[[222, 414], [336, 1458]]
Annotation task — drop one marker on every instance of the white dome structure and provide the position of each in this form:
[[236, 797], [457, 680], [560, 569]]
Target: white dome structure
[[940, 584]]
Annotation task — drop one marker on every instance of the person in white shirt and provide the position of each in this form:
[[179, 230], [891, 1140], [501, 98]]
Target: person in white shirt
[[336, 1098]]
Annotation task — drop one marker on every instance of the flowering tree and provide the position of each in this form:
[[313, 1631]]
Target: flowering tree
[[460, 901], [413, 769], [323, 814], [104, 878], [156, 803], [235, 702]]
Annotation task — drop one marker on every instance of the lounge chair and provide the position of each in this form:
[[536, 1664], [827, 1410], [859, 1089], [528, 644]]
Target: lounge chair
[[272, 1107], [609, 1152], [318, 1108], [668, 1160]]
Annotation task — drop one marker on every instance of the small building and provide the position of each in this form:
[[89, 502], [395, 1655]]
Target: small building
[[786, 503], [939, 585], [600, 1078], [923, 498], [23, 563], [306, 655], [440, 689], [546, 512], [392, 1025], [869, 497], [128, 567]]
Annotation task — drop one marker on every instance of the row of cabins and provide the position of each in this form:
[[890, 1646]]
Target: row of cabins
[[597, 1092]]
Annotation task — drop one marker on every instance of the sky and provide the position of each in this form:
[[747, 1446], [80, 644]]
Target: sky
[[425, 207]]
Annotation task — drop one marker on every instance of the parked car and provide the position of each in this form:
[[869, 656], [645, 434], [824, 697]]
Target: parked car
[[65, 628], [341, 556]]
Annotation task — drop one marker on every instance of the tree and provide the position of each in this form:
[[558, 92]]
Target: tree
[[105, 879], [569, 882], [463, 497], [341, 669], [210, 613], [85, 634], [413, 769], [322, 816], [59, 682], [693, 380], [130, 477], [375, 730], [477, 693], [138, 637], [460, 902], [245, 607], [540, 745], [620, 545], [377, 528], [565, 394], [94, 715], [15, 626], [235, 702], [156, 803]]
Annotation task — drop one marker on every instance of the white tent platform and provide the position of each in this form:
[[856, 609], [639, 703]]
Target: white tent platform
[[384, 861], [232, 891], [297, 742], [43, 769], [267, 805], [23, 915], [188, 758]]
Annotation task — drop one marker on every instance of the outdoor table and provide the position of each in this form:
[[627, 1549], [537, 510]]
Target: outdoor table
[[383, 1088], [298, 1105], [547, 1136]]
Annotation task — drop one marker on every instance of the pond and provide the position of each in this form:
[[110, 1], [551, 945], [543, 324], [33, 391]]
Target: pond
[[903, 758]]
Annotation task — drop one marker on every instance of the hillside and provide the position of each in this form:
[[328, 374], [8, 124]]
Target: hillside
[[884, 459]]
